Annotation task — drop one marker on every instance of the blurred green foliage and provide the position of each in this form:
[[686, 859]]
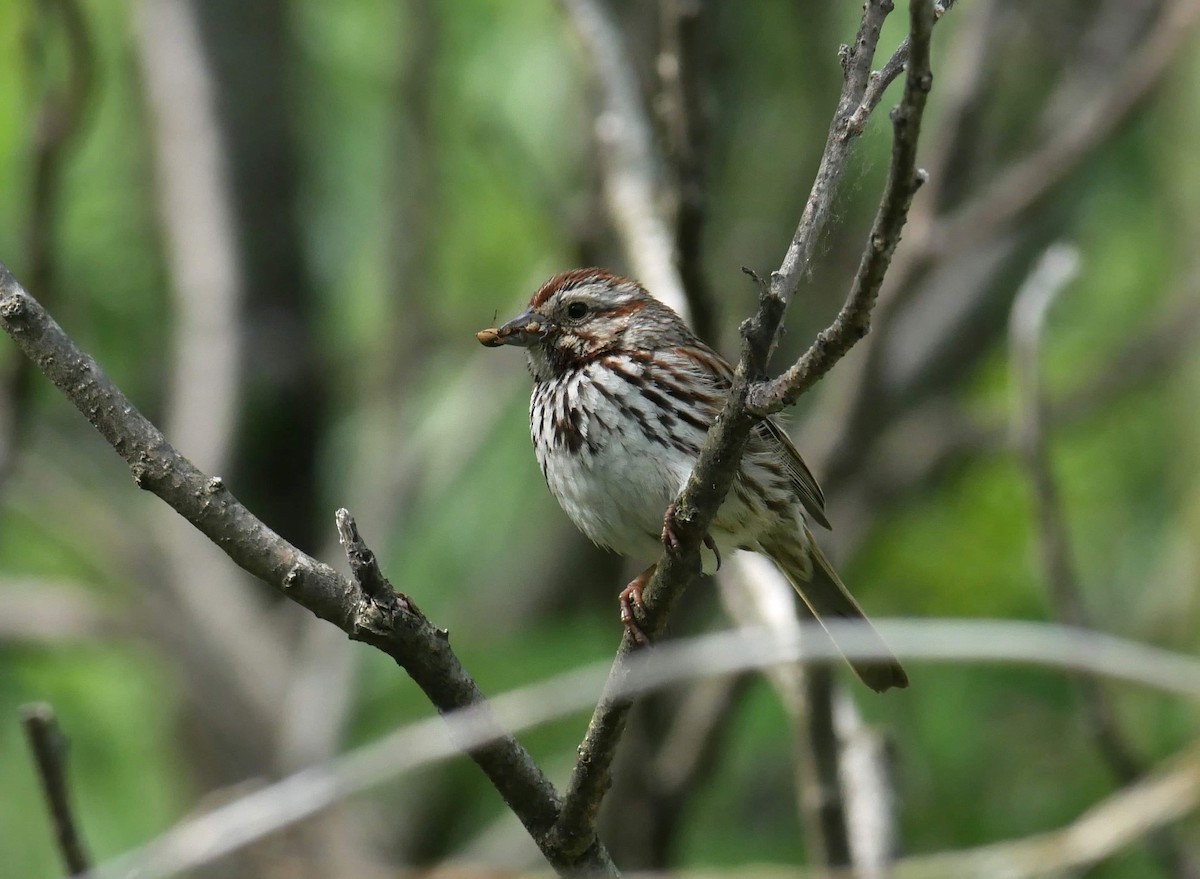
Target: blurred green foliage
[[493, 187]]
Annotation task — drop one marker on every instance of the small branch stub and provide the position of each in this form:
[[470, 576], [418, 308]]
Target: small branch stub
[[49, 748], [363, 564]]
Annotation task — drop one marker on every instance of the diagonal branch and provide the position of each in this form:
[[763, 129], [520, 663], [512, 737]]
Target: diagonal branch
[[722, 451], [387, 621]]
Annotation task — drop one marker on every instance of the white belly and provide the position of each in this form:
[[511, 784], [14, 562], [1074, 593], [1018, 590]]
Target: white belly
[[615, 467], [611, 478]]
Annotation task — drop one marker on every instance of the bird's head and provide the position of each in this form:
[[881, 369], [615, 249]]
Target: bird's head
[[580, 315]]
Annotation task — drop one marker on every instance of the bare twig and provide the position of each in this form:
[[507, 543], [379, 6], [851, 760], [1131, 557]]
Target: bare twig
[[362, 561], [885, 76], [856, 69], [389, 623], [49, 748], [853, 321], [985, 224]]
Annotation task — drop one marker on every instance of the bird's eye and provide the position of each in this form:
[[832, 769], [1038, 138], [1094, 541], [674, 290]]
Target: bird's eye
[[576, 310]]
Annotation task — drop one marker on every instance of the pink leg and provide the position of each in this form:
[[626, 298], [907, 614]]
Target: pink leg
[[669, 538], [631, 597]]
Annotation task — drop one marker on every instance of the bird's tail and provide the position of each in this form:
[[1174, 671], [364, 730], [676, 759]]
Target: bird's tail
[[811, 575]]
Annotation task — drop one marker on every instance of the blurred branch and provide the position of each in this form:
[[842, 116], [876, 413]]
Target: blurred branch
[[755, 594], [1056, 269], [203, 838], [1029, 179], [690, 746], [198, 216], [823, 797], [41, 612], [58, 121], [720, 456], [49, 747], [1167, 794], [200, 222], [680, 105], [928, 440], [391, 624], [632, 171], [868, 788]]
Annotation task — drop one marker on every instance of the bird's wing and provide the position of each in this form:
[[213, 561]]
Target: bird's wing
[[768, 430], [804, 483]]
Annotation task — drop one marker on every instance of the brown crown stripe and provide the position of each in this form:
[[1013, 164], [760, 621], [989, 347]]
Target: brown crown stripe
[[574, 278]]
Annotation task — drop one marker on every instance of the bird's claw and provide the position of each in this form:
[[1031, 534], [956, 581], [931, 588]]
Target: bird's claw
[[712, 544], [630, 599], [670, 538]]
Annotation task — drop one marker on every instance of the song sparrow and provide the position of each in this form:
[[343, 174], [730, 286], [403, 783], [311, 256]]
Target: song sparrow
[[623, 396]]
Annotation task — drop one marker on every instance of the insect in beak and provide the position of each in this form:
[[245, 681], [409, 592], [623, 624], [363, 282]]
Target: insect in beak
[[524, 330]]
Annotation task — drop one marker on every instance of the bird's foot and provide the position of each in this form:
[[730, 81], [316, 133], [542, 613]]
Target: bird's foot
[[670, 535], [630, 600], [671, 541]]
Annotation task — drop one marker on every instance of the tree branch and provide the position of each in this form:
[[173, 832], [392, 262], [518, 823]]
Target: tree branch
[[389, 622], [854, 320], [49, 748], [1056, 269], [879, 81]]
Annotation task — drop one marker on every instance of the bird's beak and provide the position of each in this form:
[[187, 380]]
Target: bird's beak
[[524, 330]]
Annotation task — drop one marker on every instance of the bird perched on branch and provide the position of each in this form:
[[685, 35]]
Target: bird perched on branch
[[623, 396]]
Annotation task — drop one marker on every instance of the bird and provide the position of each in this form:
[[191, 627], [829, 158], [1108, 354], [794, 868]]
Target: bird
[[623, 396]]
